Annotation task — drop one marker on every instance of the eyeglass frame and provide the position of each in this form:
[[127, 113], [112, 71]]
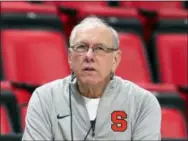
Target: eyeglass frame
[[106, 49]]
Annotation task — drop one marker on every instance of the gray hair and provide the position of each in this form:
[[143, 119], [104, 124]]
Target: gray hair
[[94, 21]]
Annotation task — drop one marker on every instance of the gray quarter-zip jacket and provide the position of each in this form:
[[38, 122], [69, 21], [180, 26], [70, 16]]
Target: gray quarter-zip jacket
[[125, 112]]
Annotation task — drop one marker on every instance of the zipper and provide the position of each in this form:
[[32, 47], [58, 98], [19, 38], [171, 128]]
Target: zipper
[[99, 105], [93, 130], [93, 134]]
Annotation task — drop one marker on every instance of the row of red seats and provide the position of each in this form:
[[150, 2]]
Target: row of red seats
[[129, 20], [149, 5], [126, 22], [30, 48]]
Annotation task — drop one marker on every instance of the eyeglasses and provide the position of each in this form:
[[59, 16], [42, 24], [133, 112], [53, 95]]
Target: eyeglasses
[[98, 49]]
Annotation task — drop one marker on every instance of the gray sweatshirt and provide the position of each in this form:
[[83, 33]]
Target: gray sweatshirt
[[125, 112]]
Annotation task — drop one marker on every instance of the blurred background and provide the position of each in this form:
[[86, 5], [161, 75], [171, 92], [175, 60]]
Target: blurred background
[[153, 39]]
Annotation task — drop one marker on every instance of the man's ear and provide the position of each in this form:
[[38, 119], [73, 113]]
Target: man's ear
[[69, 57], [116, 60]]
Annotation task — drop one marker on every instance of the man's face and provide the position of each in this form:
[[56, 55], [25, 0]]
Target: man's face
[[89, 67]]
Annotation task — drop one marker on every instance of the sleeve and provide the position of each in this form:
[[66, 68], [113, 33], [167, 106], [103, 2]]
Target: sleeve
[[148, 121], [37, 121]]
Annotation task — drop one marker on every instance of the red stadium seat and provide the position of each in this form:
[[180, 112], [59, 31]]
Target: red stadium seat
[[107, 11], [172, 14], [67, 11], [5, 123], [173, 124], [75, 4], [134, 60], [167, 94], [22, 95], [120, 19], [23, 7], [36, 58], [22, 100], [33, 48], [169, 22], [171, 33], [5, 85], [172, 54], [40, 57], [23, 115], [172, 21], [68, 22], [172, 50], [10, 118], [158, 87], [153, 5]]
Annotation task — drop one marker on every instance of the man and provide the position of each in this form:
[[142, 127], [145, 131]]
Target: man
[[92, 103]]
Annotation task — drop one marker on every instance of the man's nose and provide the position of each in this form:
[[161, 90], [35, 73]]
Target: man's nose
[[90, 53]]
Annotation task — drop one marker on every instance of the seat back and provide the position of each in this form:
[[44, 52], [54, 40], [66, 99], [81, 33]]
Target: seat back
[[134, 64], [173, 124], [36, 58], [24, 7], [153, 5], [167, 94], [10, 107], [123, 20], [23, 110], [75, 4], [172, 52], [5, 124], [169, 22], [33, 46]]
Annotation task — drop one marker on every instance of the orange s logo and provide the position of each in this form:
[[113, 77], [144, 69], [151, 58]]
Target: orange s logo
[[119, 121]]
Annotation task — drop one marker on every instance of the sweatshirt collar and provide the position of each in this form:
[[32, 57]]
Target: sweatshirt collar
[[111, 87]]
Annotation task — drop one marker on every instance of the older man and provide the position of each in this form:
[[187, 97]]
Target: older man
[[92, 103]]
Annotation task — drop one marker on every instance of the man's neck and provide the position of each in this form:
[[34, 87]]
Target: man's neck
[[95, 91]]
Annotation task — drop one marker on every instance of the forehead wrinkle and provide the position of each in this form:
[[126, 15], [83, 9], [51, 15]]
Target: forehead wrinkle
[[84, 35]]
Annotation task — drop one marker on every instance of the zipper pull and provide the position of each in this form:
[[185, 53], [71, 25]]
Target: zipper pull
[[93, 135], [93, 128]]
